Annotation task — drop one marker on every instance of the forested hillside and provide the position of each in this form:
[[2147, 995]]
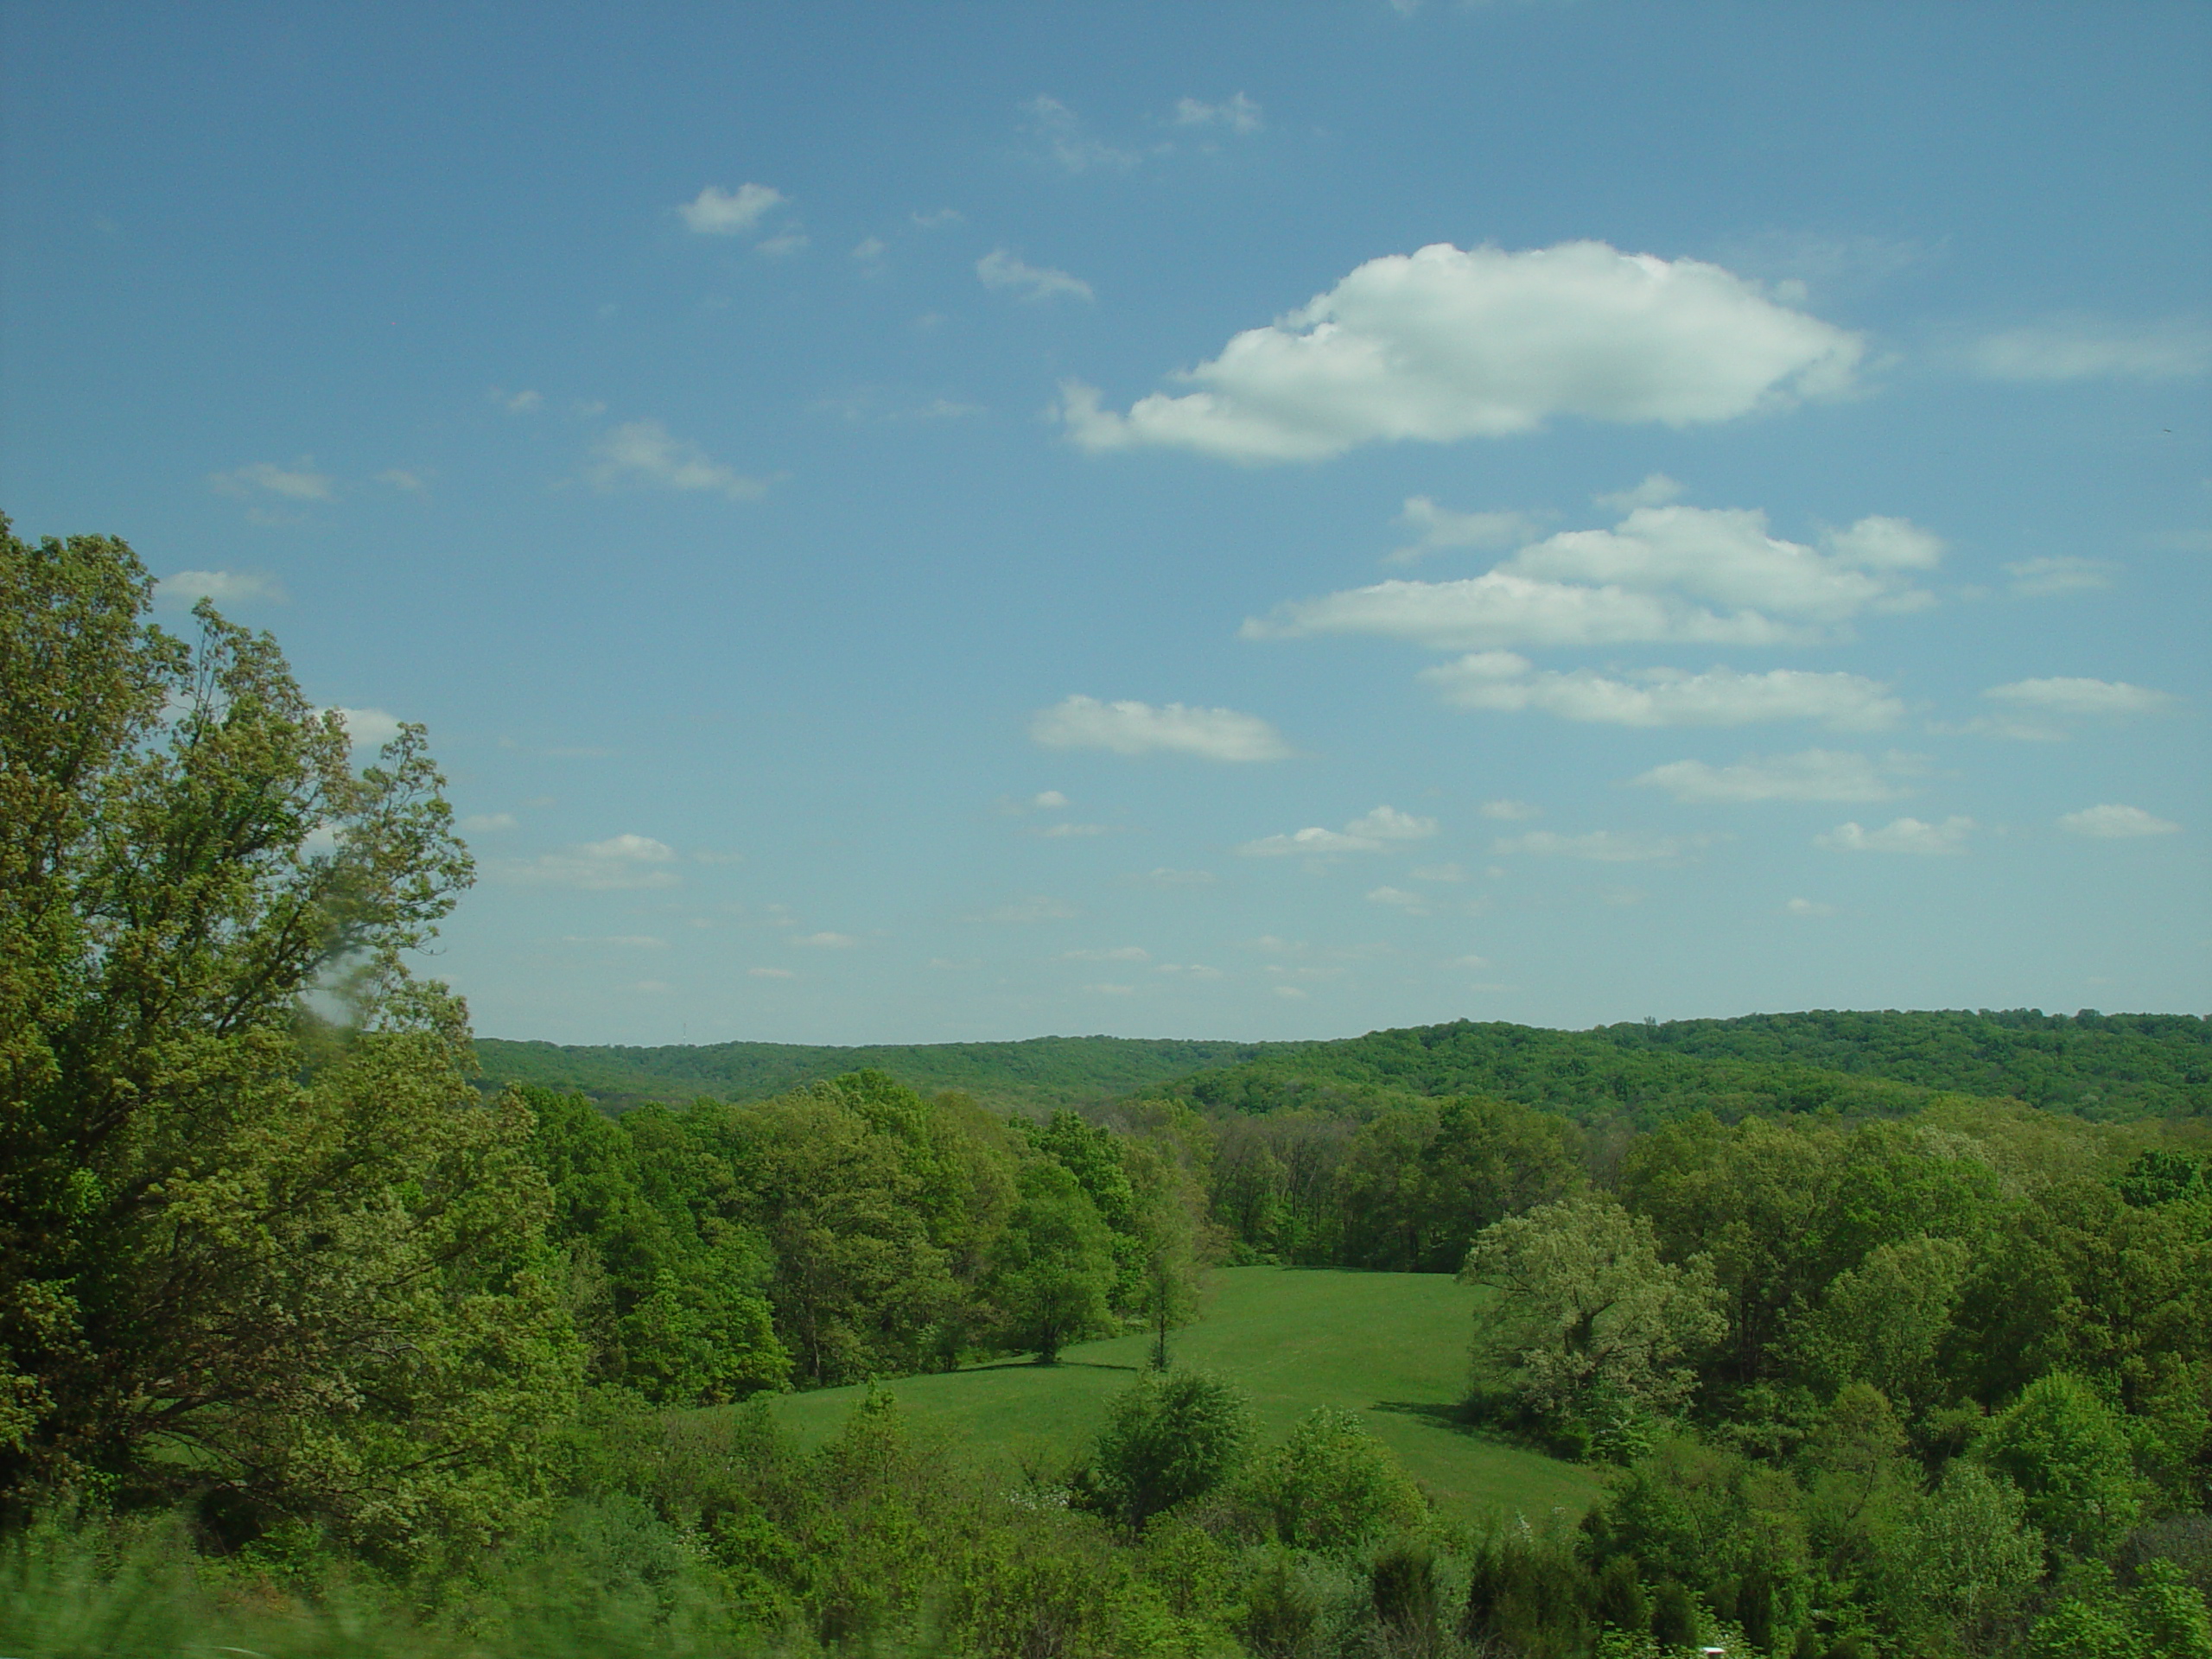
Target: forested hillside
[[2102, 1067], [1031, 1076]]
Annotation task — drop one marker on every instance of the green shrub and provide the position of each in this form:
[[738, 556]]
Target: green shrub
[[1332, 1485], [1166, 1440]]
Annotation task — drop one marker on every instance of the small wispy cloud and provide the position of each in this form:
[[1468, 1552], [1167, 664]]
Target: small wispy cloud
[[646, 452], [485, 823], [1655, 490], [772, 973], [1900, 836], [1412, 903], [1439, 529], [1237, 113], [302, 481], [824, 941], [1605, 846], [1116, 953], [1067, 142], [2115, 822], [621, 863], [2050, 709], [1041, 908], [1001, 271], [2045, 578], [186, 588], [2089, 348], [1136, 728], [1812, 775], [1369, 833], [717, 211]]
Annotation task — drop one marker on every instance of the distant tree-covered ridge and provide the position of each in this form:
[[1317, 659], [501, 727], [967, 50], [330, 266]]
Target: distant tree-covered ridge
[[1034, 1075], [2101, 1066]]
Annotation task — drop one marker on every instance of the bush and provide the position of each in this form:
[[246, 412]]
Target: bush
[[1332, 1485], [1529, 1594], [1402, 1585], [1167, 1440]]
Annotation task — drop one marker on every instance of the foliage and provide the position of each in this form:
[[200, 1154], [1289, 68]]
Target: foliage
[[1036, 1076], [1332, 1486], [263, 1244], [2105, 1067], [2068, 1453], [1167, 1439], [1588, 1317], [1053, 1267]]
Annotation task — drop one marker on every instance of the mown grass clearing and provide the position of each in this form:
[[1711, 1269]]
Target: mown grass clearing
[[1392, 1346]]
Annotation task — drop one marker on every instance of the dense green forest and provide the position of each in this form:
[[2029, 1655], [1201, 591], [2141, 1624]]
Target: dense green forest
[[1034, 1077], [2103, 1067], [2109, 1067], [1885, 1334]]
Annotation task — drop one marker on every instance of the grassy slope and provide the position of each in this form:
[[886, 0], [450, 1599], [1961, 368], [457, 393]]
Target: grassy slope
[[1392, 1346], [1039, 1074]]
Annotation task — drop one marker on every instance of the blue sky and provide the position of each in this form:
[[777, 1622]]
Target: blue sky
[[909, 523]]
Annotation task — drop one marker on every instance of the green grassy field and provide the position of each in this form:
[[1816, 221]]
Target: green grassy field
[[1392, 1346]]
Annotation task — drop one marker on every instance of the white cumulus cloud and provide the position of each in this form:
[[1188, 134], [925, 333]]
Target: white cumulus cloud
[[1899, 835], [1813, 775], [2083, 348], [2116, 823], [1675, 575], [717, 211], [1129, 727], [1448, 343], [618, 864], [1001, 270], [1503, 683], [646, 452], [1369, 833]]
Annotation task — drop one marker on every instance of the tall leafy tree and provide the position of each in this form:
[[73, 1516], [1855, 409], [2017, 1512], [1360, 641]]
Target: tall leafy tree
[[259, 1237], [1052, 1267], [1587, 1314]]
